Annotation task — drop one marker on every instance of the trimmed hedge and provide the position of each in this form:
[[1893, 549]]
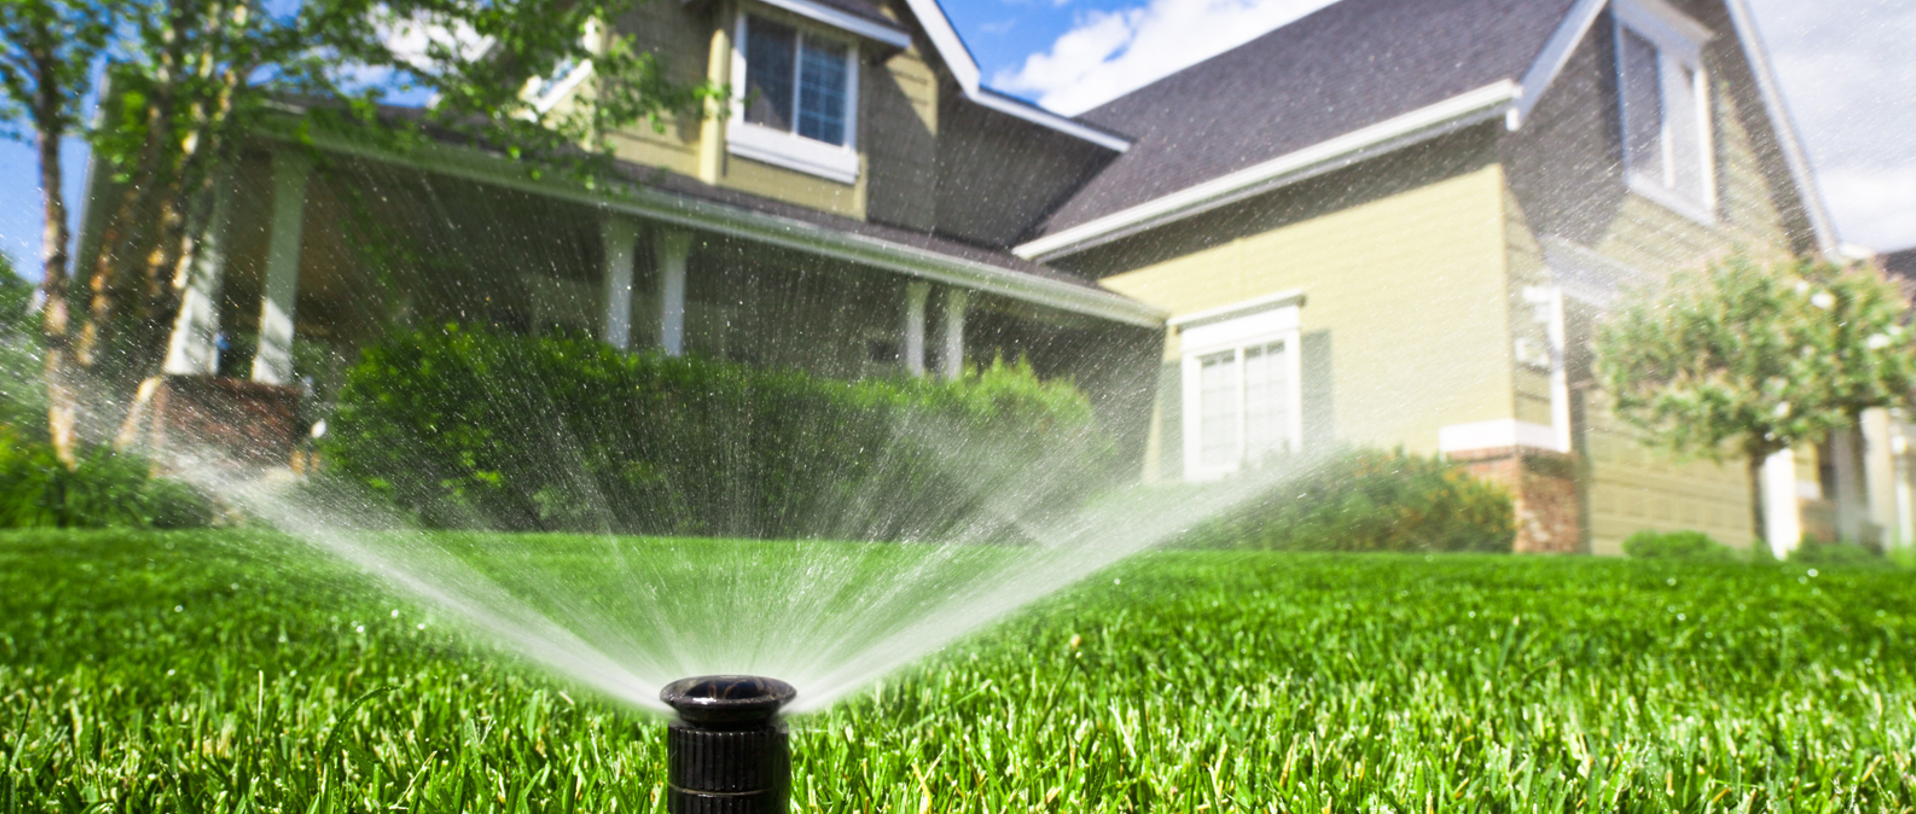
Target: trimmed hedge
[[465, 428], [1650, 544], [1371, 500]]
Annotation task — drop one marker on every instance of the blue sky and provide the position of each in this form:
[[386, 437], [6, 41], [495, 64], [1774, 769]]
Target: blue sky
[[1846, 68]]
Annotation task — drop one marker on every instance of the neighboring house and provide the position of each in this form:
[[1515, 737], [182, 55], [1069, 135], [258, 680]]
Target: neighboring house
[[1392, 222]]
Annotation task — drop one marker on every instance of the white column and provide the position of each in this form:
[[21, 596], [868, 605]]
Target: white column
[[953, 356], [618, 234], [273, 361], [1879, 474], [673, 247], [191, 349], [916, 293], [1782, 521]]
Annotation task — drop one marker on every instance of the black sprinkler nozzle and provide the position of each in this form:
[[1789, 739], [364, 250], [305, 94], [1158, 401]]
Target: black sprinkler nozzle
[[728, 753]]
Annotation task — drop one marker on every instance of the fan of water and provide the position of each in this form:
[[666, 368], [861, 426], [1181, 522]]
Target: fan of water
[[869, 589]]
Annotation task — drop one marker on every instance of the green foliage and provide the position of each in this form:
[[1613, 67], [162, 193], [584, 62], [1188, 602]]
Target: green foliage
[[107, 489], [464, 429], [1837, 555], [23, 401], [1650, 544], [1749, 360], [209, 671], [1371, 500]]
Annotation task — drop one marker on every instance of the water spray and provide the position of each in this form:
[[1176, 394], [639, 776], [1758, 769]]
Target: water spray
[[728, 753]]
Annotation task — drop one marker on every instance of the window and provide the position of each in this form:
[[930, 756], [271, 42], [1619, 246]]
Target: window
[[797, 103], [1665, 107], [1241, 403]]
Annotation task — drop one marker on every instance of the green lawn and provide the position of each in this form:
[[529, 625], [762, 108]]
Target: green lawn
[[189, 672]]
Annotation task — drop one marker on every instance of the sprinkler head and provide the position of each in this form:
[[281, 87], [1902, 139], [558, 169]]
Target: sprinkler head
[[727, 752]]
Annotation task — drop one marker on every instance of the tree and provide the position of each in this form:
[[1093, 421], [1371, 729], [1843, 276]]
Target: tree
[[48, 50], [1750, 360], [191, 78]]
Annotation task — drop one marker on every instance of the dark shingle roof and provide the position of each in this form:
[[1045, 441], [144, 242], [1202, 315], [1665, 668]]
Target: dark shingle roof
[[1343, 68], [1901, 264]]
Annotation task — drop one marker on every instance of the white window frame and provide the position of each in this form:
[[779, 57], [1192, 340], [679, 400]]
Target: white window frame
[[1274, 319], [791, 150], [1679, 41]]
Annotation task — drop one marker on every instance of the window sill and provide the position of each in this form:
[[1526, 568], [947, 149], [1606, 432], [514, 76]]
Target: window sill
[[1674, 202], [793, 152]]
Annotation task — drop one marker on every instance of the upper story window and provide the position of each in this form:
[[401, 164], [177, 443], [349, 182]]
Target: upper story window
[[1241, 396], [1665, 106], [797, 104]]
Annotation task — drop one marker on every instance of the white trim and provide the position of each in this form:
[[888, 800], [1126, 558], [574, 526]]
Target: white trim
[[1497, 433], [1556, 54], [949, 45], [1263, 321], [1457, 112], [1679, 43], [790, 150], [986, 97], [1248, 307], [711, 216], [1664, 25], [1783, 124], [549, 97], [842, 21]]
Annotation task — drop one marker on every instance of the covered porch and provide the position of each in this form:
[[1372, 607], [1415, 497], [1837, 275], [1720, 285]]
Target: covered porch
[[313, 253]]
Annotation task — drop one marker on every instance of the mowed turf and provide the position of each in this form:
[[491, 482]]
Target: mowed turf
[[218, 672]]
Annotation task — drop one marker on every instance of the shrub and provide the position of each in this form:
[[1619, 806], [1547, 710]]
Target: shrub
[[1371, 500], [469, 429], [108, 489], [1825, 555], [1650, 544]]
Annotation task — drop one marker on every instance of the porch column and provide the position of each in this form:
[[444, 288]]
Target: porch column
[[1782, 521], [1879, 475], [673, 247], [916, 293], [191, 349], [273, 361], [952, 360], [618, 234]]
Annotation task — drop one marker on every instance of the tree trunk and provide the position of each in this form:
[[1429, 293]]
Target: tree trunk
[[1758, 521], [62, 390]]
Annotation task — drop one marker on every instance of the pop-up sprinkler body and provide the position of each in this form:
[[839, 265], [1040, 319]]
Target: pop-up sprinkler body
[[728, 753]]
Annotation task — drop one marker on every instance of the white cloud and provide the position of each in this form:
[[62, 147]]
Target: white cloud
[[1109, 53], [1851, 88]]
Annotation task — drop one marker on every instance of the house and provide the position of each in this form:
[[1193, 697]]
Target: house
[[1395, 222], [1392, 222]]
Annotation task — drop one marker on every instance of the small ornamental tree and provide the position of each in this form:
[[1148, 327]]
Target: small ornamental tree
[[1750, 360]]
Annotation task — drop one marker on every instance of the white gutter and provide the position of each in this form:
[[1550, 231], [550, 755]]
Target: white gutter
[[1784, 125], [710, 216], [1448, 116]]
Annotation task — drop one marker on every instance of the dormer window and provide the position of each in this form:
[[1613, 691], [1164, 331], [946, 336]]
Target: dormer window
[[797, 104], [1665, 107]]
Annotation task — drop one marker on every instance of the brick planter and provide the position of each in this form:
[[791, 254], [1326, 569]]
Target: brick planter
[[239, 422], [1543, 491]]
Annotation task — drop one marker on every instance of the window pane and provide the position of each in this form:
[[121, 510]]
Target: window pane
[[1217, 410], [771, 54], [1267, 418], [1642, 107], [1686, 131], [821, 92]]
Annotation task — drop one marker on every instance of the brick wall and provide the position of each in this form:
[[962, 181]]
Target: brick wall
[[1543, 491]]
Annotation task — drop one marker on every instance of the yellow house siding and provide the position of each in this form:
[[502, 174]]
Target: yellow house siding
[[1402, 260], [680, 37], [899, 134], [1566, 178]]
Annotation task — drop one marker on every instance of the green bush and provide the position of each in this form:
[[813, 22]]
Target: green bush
[[1371, 500], [1813, 552], [469, 429], [1650, 544], [108, 489]]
